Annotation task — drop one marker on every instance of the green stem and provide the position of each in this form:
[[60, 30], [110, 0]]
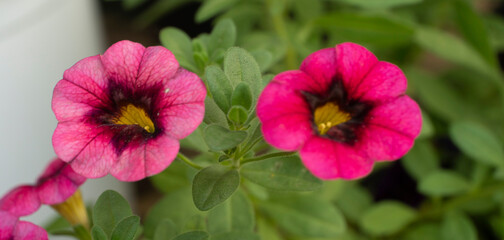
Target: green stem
[[281, 30], [266, 156], [436, 211], [188, 161], [82, 233], [248, 147]]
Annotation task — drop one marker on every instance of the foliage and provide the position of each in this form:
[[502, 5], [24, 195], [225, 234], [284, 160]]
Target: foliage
[[236, 187]]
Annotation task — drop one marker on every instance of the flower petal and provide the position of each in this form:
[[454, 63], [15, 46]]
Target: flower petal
[[86, 147], [279, 100], [80, 90], [353, 63], [20, 201], [58, 182], [29, 231], [122, 62], [328, 159], [391, 129], [285, 117], [158, 64], [152, 157], [321, 66], [7, 224], [383, 82], [300, 81], [181, 106]]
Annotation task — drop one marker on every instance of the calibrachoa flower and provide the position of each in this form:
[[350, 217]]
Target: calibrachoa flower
[[123, 112], [57, 186], [343, 110], [13, 229]]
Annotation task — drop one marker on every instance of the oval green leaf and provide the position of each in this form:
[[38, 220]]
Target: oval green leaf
[[219, 138], [213, 185], [126, 228], [443, 183], [281, 173], [478, 142], [386, 218], [109, 210]]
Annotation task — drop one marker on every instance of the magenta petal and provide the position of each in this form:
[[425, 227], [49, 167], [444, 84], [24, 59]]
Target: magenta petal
[[158, 64], [353, 63], [20, 201], [328, 159], [182, 104], [7, 224], [300, 81], [29, 231], [321, 66], [383, 82], [279, 100], [122, 62], [391, 129], [88, 147], [80, 90], [152, 157], [58, 182]]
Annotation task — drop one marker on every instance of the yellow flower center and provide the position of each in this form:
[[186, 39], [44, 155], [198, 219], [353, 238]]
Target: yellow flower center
[[132, 115], [328, 116]]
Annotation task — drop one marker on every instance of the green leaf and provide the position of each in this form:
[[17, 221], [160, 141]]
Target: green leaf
[[354, 202], [456, 225], [242, 96], [210, 8], [219, 86], [443, 183], [194, 235], [386, 218], [372, 30], [131, 4], [263, 58], [430, 231], [379, 4], [213, 114], [495, 27], [180, 45], [473, 29], [267, 230], [213, 185], [240, 66], [235, 213], [98, 234], [223, 36], [166, 229], [236, 235], [478, 142], [452, 49], [219, 138], [306, 216], [109, 210], [421, 160], [237, 115], [437, 95], [427, 127], [177, 206], [58, 224], [126, 228], [281, 173], [174, 177]]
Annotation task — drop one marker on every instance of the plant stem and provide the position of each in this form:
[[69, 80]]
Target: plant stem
[[281, 30], [248, 147], [188, 161], [266, 156]]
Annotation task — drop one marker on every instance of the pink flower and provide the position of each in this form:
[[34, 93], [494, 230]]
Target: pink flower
[[55, 185], [13, 229], [343, 110], [123, 112]]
